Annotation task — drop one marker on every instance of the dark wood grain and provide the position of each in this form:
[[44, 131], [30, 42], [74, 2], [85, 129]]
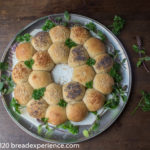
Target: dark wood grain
[[128, 132]]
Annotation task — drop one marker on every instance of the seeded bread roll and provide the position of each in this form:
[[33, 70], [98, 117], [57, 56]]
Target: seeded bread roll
[[59, 52], [103, 83], [103, 63], [24, 51], [20, 73], [39, 79], [56, 115], [83, 74], [79, 34], [42, 61], [37, 108], [73, 91], [94, 47], [23, 93], [53, 93], [59, 33], [78, 56], [93, 100], [76, 111], [41, 41]]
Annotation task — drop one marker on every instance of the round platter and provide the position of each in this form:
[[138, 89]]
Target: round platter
[[107, 119]]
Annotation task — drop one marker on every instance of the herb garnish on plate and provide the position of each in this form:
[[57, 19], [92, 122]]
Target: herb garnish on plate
[[62, 103], [48, 25], [70, 43], [29, 63], [90, 62], [21, 38], [89, 85], [38, 93]]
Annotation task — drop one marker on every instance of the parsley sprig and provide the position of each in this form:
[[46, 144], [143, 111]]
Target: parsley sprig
[[38, 93], [89, 85], [29, 63], [90, 62], [3, 66], [67, 16], [48, 25], [70, 43], [21, 38], [62, 103]]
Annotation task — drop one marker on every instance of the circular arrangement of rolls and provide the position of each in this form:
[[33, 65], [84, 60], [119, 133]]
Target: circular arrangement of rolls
[[48, 49]]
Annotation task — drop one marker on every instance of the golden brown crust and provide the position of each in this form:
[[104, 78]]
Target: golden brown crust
[[76, 111], [79, 34], [59, 33], [39, 79], [103, 83], [93, 100], [20, 73], [53, 93], [78, 56], [42, 61], [24, 51], [41, 41], [23, 93], [73, 91], [103, 63], [37, 108], [83, 74], [59, 52], [56, 115], [94, 47]]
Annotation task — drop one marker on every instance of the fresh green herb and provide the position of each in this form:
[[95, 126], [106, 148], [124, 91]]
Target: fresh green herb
[[141, 60], [90, 62], [3, 66], [94, 112], [91, 26], [144, 103], [67, 16], [44, 120], [101, 35], [86, 133], [21, 38], [58, 19], [70, 127], [48, 25], [29, 63], [137, 50], [38, 93], [70, 43], [62, 103], [89, 85], [39, 129], [117, 25]]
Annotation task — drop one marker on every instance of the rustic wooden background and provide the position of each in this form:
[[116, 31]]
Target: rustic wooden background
[[128, 132]]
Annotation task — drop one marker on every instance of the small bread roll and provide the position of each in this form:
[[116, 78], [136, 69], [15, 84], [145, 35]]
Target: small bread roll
[[59, 52], [41, 41], [79, 34], [56, 114], [37, 108], [103, 83], [53, 93], [93, 99], [39, 79], [42, 61], [24, 51], [103, 63], [94, 46], [73, 91], [59, 33], [23, 93], [78, 56], [20, 73], [83, 74], [76, 111]]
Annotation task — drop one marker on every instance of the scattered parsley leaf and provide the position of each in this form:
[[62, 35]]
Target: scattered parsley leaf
[[38, 93], [137, 50], [67, 16], [101, 35], [29, 63], [141, 60], [3, 66], [91, 62], [62, 103], [86, 133], [58, 19], [89, 85], [94, 112], [91, 26], [14, 104], [48, 25], [44, 120], [70, 43], [21, 38], [39, 129]]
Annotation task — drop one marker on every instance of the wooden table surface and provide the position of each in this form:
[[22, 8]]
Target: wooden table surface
[[128, 132]]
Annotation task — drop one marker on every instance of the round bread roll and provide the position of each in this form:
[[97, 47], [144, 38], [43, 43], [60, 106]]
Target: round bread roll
[[37, 108], [41, 41], [78, 56], [24, 51], [76, 111], [73, 91], [56, 114], [79, 34], [42, 61], [94, 46], [103, 83], [20, 73], [93, 100], [53, 94], [59, 52], [23, 93], [39, 79], [83, 74], [103, 63], [59, 33]]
